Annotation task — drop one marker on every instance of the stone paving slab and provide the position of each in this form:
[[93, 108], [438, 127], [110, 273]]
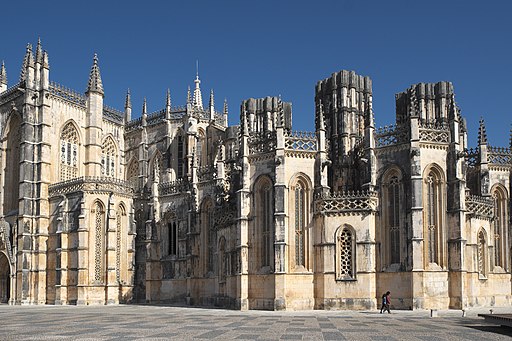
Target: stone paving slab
[[142, 322]]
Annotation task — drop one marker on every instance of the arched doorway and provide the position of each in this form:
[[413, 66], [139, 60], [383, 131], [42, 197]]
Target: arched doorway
[[5, 283]]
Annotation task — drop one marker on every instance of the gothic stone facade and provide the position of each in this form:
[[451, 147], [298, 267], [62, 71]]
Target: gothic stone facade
[[178, 207]]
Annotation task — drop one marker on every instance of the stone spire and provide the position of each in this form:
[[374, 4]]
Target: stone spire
[[28, 60], [189, 98], [128, 107], [144, 107], [321, 123], [198, 98], [95, 84], [128, 100], [510, 141], [482, 134], [3, 75], [225, 110], [212, 105], [39, 52], [168, 98]]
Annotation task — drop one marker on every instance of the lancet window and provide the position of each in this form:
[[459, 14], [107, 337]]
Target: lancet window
[[180, 157], [264, 223], [500, 226], [299, 192], [68, 152], [173, 239], [345, 253], [433, 217], [98, 214], [108, 158], [482, 246], [392, 220]]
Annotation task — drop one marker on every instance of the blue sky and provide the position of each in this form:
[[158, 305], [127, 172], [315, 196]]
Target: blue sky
[[261, 48]]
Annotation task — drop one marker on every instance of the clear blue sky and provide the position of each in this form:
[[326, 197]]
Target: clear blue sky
[[260, 48]]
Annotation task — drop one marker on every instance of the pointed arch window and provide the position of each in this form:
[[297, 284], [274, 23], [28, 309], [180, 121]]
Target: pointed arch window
[[180, 157], [433, 218], [300, 225], [262, 227], [482, 250], [132, 174], [392, 207], [345, 253], [500, 227], [173, 239], [108, 158], [68, 152], [99, 241]]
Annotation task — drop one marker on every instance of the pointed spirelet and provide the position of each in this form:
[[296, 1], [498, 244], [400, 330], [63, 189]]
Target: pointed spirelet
[[39, 52], [168, 98], [128, 100], [510, 142], [28, 60], [46, 62], [321, 124], [212, 100], [189, 98], [95, 84], [144, 106], [225, 109], [482, 134], [3, 74]]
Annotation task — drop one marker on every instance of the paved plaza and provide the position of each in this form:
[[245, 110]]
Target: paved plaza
[[140, 322]]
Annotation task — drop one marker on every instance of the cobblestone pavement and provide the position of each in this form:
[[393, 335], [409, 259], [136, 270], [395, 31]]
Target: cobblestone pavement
[[141, 322]]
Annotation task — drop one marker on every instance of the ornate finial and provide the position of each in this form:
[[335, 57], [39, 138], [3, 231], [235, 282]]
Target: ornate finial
[[46, 63], [321, 124], [28, 60], [95, 84], [128, 101], [39, 51], [482, 134], [225, 110], [168, 98], [144, 107], [212, 101], [189, 98], [3, 74], [198, 98], [510, 142]]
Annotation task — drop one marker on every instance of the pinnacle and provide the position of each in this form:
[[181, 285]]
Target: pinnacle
[[128, 101], [144, 106], [95, 84], [3, 74], [482, 134], [39, 51], [225, 111], [168, 98]]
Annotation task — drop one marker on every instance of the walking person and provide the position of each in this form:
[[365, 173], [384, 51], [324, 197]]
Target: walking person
[[386, 301]]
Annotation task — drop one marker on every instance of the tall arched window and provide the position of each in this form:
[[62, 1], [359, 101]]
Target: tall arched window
[[108, 158], [181, 162], [68, 152], [482, 250], [300, 225], [433, 217], [98, 214], [392, 199], [208, 235], [345, 253], [132, 174], [299, 192], [120, 222], [263, 230], [173, 239], [500, 226], [12, 165], [201, 149]]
